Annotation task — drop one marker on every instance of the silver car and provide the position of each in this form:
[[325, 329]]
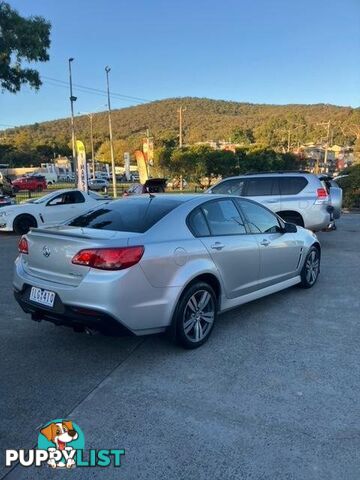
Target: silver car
[[147, 264], [298, 197]]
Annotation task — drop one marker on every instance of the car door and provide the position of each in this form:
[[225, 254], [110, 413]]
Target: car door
[[234, 251], [280, 252], [264, 190], [63, 207]]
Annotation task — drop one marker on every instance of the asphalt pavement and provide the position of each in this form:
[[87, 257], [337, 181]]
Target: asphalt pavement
[[274, 394]]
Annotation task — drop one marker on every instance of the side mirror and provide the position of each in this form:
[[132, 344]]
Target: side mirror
[[290, 228]]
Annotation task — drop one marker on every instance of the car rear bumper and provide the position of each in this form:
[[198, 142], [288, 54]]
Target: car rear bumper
[[128, 300], [71, 316], [318, 217]]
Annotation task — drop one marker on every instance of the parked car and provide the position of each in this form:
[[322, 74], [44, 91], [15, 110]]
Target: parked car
[[147, 264], [32, 183], [102, 175], [298, 197], [152, 185], [5, 200], [98, 184], [51, 209], [6, 187]]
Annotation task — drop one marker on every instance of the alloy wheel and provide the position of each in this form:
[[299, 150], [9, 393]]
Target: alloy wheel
[[312, 267], [199, 315]]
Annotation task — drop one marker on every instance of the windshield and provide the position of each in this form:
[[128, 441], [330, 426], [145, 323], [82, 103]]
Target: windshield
[[43, 199]]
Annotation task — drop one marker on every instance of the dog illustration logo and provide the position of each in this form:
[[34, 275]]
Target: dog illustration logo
[[61, 438]]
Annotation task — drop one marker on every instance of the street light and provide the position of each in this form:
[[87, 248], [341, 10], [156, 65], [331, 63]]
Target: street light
[[91, 117], [107, 70], [72, 100]]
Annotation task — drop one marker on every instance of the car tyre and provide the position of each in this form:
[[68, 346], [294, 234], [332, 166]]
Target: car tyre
[[311, 269], [23, 223], [195, 315]]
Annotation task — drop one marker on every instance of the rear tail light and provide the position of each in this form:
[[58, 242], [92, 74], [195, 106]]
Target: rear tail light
[[23, 245], [321, 196], [321, 193], [109, 258]]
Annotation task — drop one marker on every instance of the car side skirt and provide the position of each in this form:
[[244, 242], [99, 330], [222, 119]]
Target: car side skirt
[[229, 303]]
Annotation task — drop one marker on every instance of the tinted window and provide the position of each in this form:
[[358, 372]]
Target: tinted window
[[223, 218], [68, 198], [197, 224], [260, 220], [128, 215], [292, 185], [260, 186], [229, 187]]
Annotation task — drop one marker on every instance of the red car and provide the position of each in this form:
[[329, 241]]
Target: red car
[[33, 183]]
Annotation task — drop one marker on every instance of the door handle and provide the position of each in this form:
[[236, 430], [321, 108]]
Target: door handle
[[217, 246], [271, 201], [265, 242]]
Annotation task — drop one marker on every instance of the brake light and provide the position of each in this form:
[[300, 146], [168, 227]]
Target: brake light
[[23, 245], [109, 258], [322, 193]]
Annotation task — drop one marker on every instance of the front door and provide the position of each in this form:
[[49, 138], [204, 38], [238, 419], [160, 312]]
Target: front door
[[63, 207], [279, 252]]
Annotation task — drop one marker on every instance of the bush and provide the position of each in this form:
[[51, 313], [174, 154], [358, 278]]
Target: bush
[[351, 187]]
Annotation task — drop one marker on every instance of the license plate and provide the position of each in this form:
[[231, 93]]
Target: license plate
[[45, 297]]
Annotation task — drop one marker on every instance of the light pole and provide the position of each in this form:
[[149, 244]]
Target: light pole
[[107, 70], [91, 116], [181, 110], [72, 100], [327, 125]]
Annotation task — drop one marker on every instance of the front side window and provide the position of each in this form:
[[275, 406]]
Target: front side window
[[260, 219], [229, 187], [223, 218]]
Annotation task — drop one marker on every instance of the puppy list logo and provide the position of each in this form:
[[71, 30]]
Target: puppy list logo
[[61, 444]]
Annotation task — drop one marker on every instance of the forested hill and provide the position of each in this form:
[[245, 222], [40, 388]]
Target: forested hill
[[204, 119]]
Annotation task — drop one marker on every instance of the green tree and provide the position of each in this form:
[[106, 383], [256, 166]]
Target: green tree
[[22, 40], [244, 136]]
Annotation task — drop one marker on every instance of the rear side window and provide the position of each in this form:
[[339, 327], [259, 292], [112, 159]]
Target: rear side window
[[128, 215], [256, 187], [229, 187], [197, 224], [292, 185]]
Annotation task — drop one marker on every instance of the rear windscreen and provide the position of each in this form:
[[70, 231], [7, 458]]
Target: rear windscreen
[[128, 215]]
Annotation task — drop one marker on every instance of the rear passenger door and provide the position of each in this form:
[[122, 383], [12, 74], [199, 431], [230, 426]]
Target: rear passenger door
[[264, 190], [234, 251]]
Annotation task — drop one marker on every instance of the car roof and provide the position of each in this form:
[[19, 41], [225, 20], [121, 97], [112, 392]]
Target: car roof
[[268, 174]]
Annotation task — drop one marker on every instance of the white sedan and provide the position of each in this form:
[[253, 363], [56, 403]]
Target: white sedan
[[51, 209]]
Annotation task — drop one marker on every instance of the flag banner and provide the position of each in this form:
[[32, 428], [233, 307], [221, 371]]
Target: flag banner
[[82, 174], [142, 167], [127, 165]]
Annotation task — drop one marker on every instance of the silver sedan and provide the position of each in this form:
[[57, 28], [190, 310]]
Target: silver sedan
[[151, 263]]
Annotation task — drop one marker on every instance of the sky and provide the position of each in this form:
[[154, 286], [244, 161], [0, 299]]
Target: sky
[[258, 51]]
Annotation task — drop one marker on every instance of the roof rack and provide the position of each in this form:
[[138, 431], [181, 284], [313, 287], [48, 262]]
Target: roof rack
[[277, 171]]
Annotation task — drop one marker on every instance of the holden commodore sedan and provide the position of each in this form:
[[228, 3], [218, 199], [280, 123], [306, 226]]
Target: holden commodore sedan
[[146, 264], [51, 209]]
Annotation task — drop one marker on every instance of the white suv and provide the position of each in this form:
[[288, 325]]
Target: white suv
[[297, 197]]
